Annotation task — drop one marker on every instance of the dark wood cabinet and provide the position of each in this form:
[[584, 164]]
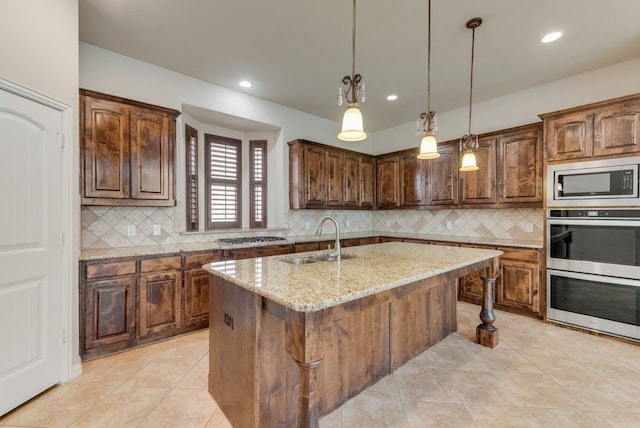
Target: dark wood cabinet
[[253, 252], [321, 177], [160, 302], [518, 286], [607, 128], [196, 287], [520, 165], [443, 176], [413, 186], [387, 186], [127, 152], [479, 187], [367, 178]]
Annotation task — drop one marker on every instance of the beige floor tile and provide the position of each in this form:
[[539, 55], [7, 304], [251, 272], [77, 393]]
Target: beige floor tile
[[567, 418], [197, 377], [502, 416], [59, 406], [537, 390], [332, 420], [188, 408], [218, 420], [423, 414], [373, 413], [162, 373], [124, 407], [417, 384], [598, 393], [485, 388], [621, 420], [385, 389]]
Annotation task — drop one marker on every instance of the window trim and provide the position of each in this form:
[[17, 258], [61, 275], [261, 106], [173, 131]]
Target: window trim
[[253, 184], [237, 145]]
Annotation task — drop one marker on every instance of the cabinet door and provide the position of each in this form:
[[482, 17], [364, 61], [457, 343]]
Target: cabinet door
[[104, 139], [160, 302], [519, 286], [443, 176], [314, 176], [387, 182], [569, 137], [151, 155], [351, 180], [335, 178], [520, 167], [109, 311], [470, 287], [196, 297], [366, 167], [617, 129], [479, 187], [412, 181]]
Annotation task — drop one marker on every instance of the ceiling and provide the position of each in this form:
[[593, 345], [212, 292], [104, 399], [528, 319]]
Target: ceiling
[[297, 51]]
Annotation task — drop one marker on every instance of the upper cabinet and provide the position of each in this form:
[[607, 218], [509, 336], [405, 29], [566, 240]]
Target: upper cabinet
[[608, 128], [520, 165], [479, 187], [127, 152], [442, 176], [387, 181], [321, 176], [413, 188]]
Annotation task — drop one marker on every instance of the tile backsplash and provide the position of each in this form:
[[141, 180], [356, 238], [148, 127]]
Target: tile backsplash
[[110, 227]]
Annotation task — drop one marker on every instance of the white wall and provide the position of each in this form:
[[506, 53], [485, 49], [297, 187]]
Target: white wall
[[39, 47], [520, 108]]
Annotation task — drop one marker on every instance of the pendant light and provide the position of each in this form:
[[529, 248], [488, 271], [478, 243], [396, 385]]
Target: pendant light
[[470, 141], [352, 127], [428, 145]]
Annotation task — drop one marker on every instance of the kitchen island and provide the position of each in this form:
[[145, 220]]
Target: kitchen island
[[291, 340]]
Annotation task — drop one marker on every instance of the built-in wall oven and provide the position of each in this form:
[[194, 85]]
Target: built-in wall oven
[[593, 269]]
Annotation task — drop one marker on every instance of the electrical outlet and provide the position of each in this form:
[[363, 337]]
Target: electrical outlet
[[157, 230], [387, 223], [528, 227], [307, 225], [131, 230], [347, 223], [449, 225]]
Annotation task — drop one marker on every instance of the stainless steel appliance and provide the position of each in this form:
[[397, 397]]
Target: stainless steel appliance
[[599, 183], [593, 269]]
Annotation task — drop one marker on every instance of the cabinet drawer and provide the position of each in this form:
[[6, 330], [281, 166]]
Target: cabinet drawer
[[306, 246], [192, 261], [105, 269], [520, 254], [161, 263], [369, 240]]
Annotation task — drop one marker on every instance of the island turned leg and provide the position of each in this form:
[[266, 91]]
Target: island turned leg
[[308, 404], [486, 333]]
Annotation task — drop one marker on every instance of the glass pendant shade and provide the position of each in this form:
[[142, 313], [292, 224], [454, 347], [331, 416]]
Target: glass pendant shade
[[352, 127], [469, 162], [428, 147]]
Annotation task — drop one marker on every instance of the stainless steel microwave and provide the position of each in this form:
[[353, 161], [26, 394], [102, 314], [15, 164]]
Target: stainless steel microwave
[[601, 183]]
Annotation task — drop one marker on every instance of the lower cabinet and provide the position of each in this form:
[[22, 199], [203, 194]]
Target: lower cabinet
[[132, 301]]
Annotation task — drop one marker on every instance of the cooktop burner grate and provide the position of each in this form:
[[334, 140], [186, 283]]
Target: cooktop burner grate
[[251, 239]]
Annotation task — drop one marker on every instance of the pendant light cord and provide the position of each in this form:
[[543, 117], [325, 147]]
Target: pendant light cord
[[473, 42], [429, 59], [353, 42]]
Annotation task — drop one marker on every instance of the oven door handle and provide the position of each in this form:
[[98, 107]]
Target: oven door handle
[[575, 221]]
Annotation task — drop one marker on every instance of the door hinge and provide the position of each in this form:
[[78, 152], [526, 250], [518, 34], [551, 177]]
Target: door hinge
[[63, 337], [62, 140]]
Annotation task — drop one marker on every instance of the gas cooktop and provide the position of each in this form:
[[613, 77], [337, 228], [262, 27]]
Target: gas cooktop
[[251, 239]]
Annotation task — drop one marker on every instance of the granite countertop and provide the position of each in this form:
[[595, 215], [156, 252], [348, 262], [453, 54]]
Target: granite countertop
[[148, 250], [374, 268]]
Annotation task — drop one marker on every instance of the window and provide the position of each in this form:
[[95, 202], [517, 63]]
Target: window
[[224, 178], [191, 194], [258, 184]]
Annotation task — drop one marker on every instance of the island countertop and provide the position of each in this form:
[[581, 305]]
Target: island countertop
[[374, 268]]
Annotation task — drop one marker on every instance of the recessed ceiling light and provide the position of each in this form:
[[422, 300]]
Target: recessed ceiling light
[[392, 97], [551, 37], [245, 84]]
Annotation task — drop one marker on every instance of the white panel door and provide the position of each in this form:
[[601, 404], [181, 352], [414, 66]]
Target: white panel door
[[31, 253]]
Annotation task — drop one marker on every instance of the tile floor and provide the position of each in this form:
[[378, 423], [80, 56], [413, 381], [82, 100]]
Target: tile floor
[[539, 376]]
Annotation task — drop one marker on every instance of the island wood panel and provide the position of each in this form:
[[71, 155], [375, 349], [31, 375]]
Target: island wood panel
[[276, 357]]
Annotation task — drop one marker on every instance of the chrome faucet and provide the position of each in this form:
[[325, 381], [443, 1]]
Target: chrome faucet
[[336, 248]]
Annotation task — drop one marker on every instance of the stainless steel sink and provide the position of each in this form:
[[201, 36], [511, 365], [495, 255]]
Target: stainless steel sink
[[314, 259], [299, 261]]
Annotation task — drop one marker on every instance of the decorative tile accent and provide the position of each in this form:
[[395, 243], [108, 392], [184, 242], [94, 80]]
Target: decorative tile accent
[[106, 227]]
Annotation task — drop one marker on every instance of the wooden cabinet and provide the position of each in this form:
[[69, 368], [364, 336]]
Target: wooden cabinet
[[108, 300], [367, 178], [520, 165], [607, 128], [443, 176], [479, 187], [253, 252], [518, 286], [412, 180], [387, 186], [196, 288], [127, 152], [326, 177], [160, 302]]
